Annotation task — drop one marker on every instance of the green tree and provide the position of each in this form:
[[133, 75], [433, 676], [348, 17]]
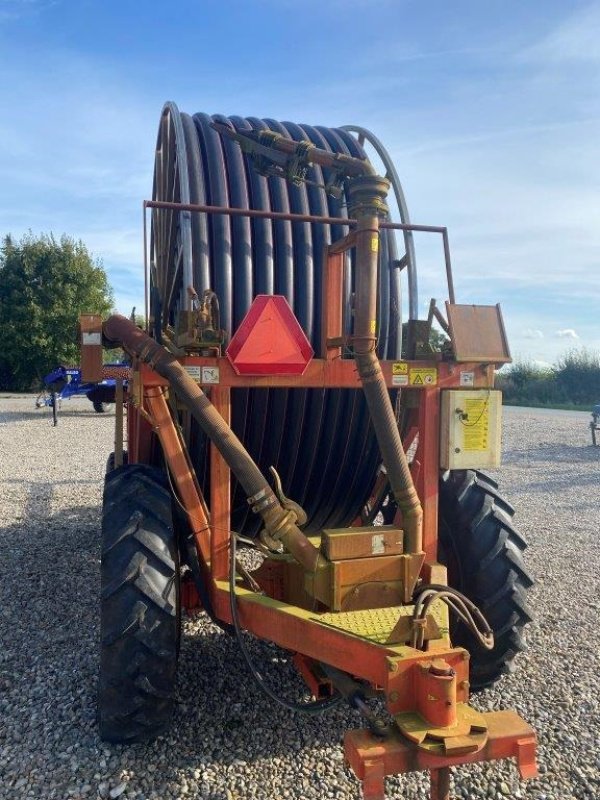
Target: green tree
[[577, 374], [438, 340], [44, 285]]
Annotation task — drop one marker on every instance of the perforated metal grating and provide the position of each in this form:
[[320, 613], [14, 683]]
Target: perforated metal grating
[[380, 625]]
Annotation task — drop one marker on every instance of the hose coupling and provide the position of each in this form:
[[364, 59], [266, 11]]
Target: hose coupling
[[269, 138], [286, 502], [283, 524], [367, 195], [369, 368], [261, 500]]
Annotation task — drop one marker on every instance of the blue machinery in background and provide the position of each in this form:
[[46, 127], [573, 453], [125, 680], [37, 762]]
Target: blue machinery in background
[[65, 382]]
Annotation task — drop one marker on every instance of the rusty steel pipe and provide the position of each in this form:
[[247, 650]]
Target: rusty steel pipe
[[231, 211], [346, 165], [289, 217], [256, 213], [279, 522], [367, 202], [440, 783]]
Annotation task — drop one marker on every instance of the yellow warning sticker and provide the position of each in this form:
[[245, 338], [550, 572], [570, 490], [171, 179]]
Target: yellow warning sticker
[[375, 243], [373, 325], [476, 424], [399, 373], [422, 376]]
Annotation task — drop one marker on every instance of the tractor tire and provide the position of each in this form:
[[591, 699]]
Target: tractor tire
[[140, 606], [99, 406], [484, 556], [110, 462]]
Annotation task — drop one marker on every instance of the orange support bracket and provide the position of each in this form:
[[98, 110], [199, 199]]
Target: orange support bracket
[[427, 476], [220, 494], [372, 759], [180, 468], [440, 783], [333, 313]]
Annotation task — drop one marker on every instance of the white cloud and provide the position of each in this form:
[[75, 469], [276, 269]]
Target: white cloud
[[532, 333], [567, 333], [524, 196], [575, 39], [11, 10]]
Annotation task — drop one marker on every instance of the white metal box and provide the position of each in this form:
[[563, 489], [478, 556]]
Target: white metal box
[[470, 427]]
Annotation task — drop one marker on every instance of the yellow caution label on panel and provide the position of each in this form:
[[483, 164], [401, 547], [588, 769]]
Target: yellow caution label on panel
[[476, 424], [422, 376], [399, 373], [373, 325], [375, 243]]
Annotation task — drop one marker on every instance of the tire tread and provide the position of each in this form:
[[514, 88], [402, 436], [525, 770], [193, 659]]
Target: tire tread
[[139, 606], [476, 523]]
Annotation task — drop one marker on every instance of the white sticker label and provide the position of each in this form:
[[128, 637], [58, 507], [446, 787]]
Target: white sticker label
[[194, 372], [467, 378], [399, 380], [210, 375], [91, 338], [377, 544]]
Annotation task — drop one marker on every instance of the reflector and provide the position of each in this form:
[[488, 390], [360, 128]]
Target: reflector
[[269, 340]]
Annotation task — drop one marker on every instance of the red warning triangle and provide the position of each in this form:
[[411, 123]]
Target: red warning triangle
[[270, 340]]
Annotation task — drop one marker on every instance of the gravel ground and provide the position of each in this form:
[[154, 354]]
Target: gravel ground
[[228, 741]]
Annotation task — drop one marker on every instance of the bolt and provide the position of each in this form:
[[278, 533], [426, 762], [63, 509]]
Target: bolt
[[393, 696], [441, 668]]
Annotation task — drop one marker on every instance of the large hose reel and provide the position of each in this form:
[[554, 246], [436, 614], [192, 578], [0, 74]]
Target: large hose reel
[[320, 441]]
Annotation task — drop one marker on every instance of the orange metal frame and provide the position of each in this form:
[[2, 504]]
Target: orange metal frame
[[508, 737], [268, 619]]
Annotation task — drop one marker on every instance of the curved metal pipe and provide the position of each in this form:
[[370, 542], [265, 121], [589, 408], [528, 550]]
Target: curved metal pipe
[[366, 201], [409, 244], [280, 523]]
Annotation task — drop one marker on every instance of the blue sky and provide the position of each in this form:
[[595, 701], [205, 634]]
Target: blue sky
[[491, 111]]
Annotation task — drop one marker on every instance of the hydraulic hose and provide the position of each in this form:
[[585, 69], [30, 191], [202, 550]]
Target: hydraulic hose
[[409, 244], [312, 707], [279, 522]]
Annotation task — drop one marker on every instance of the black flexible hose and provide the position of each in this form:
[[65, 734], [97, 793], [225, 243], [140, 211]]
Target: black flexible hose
[[462, 606], [314, 707]]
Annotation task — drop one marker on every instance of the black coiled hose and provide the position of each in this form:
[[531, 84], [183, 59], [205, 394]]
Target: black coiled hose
[[320, 441]]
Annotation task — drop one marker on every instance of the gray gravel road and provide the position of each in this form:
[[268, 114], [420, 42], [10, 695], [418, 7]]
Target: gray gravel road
[[229, 742]]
